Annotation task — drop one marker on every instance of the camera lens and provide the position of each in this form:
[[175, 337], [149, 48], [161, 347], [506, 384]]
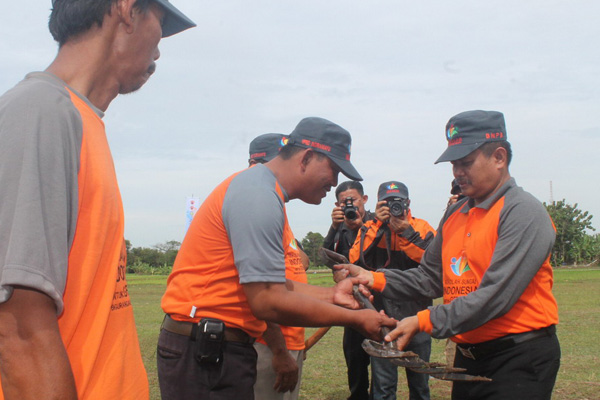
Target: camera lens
[[397, 207], [350, 213]]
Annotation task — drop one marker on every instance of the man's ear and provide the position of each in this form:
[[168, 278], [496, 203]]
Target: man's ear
[[365, 198], [125, 11], [500, 155], [307, 156]]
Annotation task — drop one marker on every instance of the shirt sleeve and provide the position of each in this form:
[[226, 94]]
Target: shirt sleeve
[[40, 136], [415, 239], [423, 282], [254, 216]]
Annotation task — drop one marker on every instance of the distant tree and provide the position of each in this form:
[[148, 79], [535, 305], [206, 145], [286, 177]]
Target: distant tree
[[573, 244], [311, 244], [168, 251], [168, 246], [159, 255]]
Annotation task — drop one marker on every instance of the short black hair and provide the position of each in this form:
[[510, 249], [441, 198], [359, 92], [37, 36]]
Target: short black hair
[[287, 151], [342, 187], [488, 149], [70, 18]]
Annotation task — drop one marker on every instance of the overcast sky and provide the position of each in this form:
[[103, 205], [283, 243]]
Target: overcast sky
[[390, 72]]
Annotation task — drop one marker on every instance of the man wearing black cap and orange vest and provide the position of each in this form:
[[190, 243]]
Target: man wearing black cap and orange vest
[[66, 321], [395, 240], [490, 261], [230, 274]]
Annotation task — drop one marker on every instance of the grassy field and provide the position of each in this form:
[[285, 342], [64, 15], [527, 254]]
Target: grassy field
[[324, 378]]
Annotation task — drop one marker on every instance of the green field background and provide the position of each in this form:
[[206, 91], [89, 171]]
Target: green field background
[[324, 378]]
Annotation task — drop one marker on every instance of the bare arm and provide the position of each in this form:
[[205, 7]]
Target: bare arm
[[33, 360], [274, 302], [284, 364]]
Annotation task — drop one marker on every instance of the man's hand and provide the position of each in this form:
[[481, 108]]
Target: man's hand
[[339, 275], [404, 331], [337, 217], [382, 211], [286, 369], [399, 224], [342, 294], [452, 200], [370, 323], [354, 271]]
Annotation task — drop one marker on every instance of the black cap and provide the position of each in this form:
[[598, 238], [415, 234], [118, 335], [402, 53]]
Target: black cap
[[325, 137], [467, 131], [391, 189], [265, 147], [174, 20]]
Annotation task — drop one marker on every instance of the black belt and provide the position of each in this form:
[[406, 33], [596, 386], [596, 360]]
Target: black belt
[[189, 329], [480, 350]]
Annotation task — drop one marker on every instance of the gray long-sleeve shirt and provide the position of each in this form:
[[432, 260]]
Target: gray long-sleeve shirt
[[524, 239]]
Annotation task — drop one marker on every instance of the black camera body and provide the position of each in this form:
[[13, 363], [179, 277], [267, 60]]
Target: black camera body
[[397, 206], [349, 209], [209, 341]]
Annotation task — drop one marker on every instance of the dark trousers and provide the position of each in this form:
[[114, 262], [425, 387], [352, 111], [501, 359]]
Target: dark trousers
[[180, 376], [357, 363], [525, 371], [385, 374]]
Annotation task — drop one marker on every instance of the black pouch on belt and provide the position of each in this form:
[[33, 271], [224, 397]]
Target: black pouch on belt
[[209, 341]]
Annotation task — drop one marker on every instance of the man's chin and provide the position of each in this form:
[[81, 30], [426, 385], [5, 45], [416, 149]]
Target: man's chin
[[134, 87], [131, 89]]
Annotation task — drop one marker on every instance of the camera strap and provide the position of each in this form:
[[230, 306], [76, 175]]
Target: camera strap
[[383, 231]]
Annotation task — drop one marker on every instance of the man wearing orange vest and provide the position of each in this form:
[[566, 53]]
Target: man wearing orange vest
[[490, 261], [395, 240], [230, 275], [347, 217], [66, 323]]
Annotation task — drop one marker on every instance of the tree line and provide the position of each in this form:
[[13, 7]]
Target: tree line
[[576, 244], [155, 260]]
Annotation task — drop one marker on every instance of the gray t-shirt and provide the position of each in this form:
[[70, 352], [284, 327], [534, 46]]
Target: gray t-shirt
[[254, 216], [40, 144]]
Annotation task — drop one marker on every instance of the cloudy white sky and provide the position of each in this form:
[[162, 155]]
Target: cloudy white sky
[[391, 72]]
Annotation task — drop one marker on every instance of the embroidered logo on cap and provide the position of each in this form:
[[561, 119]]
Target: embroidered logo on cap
[[284, 141], [451, 132]]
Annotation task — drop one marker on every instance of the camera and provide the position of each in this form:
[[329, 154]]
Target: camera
[[397, 206], [350, 211], [456, 190]]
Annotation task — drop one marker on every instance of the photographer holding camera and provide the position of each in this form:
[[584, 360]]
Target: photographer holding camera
[[395, 240], [347, 217]]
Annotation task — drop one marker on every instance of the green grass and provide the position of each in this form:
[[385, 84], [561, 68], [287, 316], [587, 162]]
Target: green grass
[[577, 292]]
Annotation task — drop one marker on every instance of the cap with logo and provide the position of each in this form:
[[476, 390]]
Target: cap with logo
[[174, 20], [392, 189], [325, 137], [265, 147], [467, 131]]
